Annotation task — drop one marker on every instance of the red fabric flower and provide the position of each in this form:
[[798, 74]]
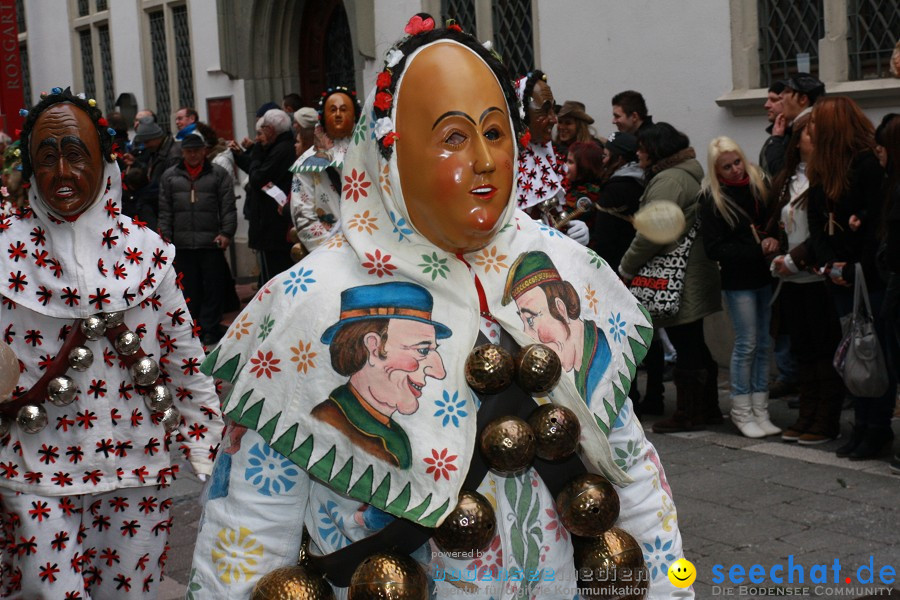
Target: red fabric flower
[[389, 139], [383, 101], [384, 80], [102, 121], [419, 25], [455, 27], [525, 139]]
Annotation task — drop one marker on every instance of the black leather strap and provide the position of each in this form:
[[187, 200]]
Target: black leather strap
[[403, 536]]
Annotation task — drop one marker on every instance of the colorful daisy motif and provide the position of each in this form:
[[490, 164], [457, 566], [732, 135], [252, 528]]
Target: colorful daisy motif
[[298, 281], [590, 296], [658, 557], [264, 364], [450, 409], [490, 561], [378, 264], [303, 356], [363, 222], [269, 472], [439, 464], [241, 327], [355, 185], [489, 259], [617, 326], [235, 554]]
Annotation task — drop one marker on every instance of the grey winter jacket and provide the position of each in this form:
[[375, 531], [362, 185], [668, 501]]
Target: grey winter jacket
[[193, 213], [678, 179]]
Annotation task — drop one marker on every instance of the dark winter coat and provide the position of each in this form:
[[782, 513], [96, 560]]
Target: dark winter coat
[[739, 254], [865, 199], [620, 197], [269, 164], [193, 212]]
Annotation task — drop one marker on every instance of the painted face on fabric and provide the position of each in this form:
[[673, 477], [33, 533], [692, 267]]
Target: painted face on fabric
[[541, 113], [393, 380], [455, 150], [543, 327], [66, 159], [339, 116]]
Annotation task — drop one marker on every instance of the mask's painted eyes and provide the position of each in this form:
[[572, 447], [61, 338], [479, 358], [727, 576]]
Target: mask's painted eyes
[[455, 138], [493, 134]]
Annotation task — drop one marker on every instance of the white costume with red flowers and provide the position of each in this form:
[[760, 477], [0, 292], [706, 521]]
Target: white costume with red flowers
[[105, 441]]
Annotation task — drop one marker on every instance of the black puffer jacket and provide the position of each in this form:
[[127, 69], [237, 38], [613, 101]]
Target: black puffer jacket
[[193, 213]]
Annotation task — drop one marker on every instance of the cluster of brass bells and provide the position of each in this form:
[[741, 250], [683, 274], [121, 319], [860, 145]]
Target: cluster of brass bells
[[490, 369], [509, 444], [61, 390]]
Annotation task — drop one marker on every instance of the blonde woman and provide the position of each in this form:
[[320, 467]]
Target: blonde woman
[[733, 200]]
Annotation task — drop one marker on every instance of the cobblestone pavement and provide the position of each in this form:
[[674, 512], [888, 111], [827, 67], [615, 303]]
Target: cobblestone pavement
[[740, 502]]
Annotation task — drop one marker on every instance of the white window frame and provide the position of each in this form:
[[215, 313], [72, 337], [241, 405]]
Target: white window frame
[[834, 63], [147, 7], [94, 20]]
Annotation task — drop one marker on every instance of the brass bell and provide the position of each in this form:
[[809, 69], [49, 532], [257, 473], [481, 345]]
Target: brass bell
[[292, 235], [5, 424], [61, 390], [292, 583], [556, 431], [609, 564], [32, 418], [127, 343], [114, 319], [489, 369], [537, 368], [145, 371], [388, 577], [588, 505], [469, 527], [171, 419], [81, 358], [508, 444], [158, 399], [93, 327]]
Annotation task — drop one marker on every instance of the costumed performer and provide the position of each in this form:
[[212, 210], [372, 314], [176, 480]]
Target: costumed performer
[[351, 408], [110, 376], [317, 181]]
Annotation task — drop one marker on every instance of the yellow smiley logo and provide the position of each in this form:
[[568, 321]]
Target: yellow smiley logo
[[682, 573]]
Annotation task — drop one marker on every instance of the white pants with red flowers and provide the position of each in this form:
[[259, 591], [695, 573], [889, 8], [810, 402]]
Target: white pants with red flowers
[[99, 546]]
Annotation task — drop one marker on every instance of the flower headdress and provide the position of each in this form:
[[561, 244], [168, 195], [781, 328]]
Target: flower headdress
[[338, 89], [57, 95], [420, 30]]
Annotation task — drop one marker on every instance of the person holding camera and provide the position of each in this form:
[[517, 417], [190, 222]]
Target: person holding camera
[[197, 213]]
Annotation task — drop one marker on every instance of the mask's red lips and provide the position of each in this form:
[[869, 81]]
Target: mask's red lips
[[484, 191]]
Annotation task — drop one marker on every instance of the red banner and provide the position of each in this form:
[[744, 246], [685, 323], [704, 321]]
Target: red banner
[[12, 94]]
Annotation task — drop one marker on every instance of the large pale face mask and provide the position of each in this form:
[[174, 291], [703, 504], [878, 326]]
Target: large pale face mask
[[340, 116], [455, 149], [66, 159]]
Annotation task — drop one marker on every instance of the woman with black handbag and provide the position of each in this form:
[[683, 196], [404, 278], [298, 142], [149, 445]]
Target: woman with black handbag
[[845, 201], [674, 174]]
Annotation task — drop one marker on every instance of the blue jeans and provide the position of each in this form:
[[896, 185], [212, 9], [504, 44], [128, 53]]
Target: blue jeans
[[750, 316]]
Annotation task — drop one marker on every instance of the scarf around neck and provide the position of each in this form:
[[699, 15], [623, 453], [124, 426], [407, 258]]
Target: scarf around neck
[[278, 353]]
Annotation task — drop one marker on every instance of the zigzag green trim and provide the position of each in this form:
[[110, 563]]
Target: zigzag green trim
[[206, 367], [341, 481]]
